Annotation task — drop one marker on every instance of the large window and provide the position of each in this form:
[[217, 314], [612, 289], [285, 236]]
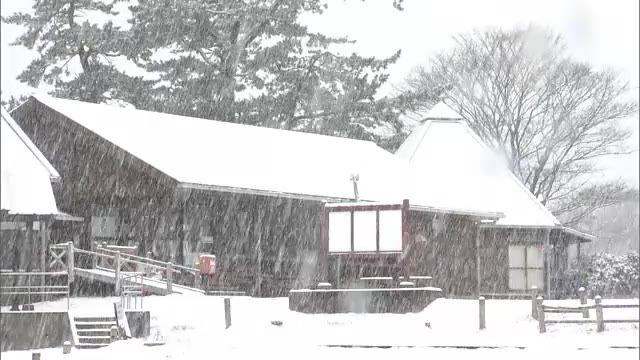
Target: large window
[[526, 267], [373, 231]]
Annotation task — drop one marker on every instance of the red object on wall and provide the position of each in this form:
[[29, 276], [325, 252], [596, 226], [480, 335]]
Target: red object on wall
[[208, 264]]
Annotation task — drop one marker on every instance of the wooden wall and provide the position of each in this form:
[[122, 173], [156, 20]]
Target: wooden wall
[[448, 253], [260, 242]]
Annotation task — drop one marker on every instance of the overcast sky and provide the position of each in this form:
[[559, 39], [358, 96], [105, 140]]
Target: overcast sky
[[602, 32]]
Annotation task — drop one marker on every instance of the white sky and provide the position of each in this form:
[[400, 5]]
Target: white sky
[[601, 32]]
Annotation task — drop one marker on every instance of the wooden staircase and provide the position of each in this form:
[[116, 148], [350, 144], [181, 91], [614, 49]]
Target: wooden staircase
[[92, 332]]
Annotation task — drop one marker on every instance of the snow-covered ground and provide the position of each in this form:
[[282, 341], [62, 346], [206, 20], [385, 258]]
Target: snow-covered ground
[[193, 327]]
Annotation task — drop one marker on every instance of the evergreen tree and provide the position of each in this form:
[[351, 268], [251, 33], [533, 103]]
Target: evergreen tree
[[76, 57], [255, 63]]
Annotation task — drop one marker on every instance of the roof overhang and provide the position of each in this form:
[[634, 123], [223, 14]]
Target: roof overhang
[[475, 214], [60, 216], [257, 192], [579, 236]]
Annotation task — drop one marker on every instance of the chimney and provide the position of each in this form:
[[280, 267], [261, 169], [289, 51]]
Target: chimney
[[354, 178]]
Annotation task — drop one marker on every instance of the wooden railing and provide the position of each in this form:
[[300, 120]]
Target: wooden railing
[[542, 309], [117, 262], [132, 289], [31, 287]]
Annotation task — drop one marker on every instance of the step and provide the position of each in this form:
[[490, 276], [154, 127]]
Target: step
[[94, 339], [94, 319], [90, 346], [95, 325], [93, 332]]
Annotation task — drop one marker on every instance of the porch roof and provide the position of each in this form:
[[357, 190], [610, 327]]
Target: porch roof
[[26, 174]]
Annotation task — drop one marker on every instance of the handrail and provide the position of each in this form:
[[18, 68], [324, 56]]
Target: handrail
[[160, 263], [620, 306], [35, 289], [37, 273]]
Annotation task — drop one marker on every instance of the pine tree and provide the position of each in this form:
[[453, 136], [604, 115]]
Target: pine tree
[[76, 57], [255, 63]]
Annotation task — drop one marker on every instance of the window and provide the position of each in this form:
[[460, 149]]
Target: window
[[364, 231], [572, 255], [367, 225], [391, 230], [103, 226], [526, 267], [339, 231]]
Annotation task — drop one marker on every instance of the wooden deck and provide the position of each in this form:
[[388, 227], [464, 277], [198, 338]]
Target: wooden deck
[[152, 286]]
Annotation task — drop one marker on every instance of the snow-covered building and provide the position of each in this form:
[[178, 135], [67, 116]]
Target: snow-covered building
[[179, 187], [27, 202], [450, 166]]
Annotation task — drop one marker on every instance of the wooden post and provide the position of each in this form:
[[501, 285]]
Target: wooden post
[[113, 332], [147, 269], [582, 293], [43, 248], [196, 280], [66, 347], [70, 261], [481, 312], [547, 262], [94, 257], [117, 269], [170, 278], [534, 305], [26, 254], [541, 325], [478, 273], [323, 253], [599, 318], [227, 312], [407, 237], [258, 285]]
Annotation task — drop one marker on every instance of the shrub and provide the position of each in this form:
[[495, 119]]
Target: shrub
[[603, 274]]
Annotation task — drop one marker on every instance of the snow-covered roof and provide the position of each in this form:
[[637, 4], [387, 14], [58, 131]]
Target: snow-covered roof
[[227, 156], [26, 174], [451, 167]]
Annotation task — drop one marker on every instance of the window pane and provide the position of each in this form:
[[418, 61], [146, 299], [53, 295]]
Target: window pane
[[516, 256], [364, 235], [535, 257], [391, 230], [517, 279], [339, 231], [535, 277]]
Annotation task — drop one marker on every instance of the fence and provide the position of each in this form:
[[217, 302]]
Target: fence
[[582, 295], [33, 288], [584, 309]]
